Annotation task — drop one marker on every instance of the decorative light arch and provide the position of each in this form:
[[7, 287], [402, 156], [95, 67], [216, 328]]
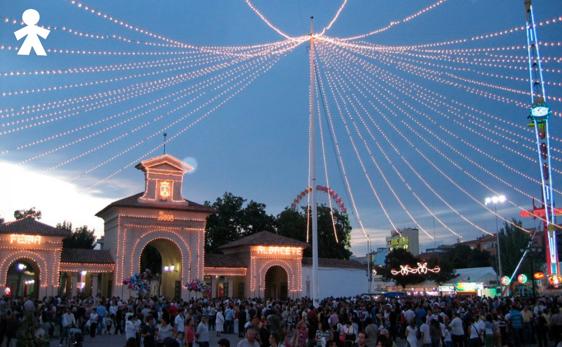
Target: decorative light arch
[[141, 243], [33, 257], [293, 275]]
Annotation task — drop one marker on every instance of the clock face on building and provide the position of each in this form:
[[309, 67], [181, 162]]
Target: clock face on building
[[540, 111], [165, 190]]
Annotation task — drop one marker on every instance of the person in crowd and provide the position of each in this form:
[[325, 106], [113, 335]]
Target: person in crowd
[[202, 333], [250, 339], [219, 321], [223, 343], [189, 333]]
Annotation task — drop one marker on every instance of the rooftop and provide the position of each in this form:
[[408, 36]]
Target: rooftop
[[90, 256], [133, 201], [265, 238], [29, 225]]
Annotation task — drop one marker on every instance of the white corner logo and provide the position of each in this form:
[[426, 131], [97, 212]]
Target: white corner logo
[[31, 32]]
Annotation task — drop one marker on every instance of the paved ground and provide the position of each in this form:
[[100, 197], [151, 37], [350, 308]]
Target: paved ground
[[119, 340]]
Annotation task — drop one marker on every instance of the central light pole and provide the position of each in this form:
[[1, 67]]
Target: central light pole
[[496, 200], [312, 154]]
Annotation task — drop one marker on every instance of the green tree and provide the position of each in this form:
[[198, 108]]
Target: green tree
[[25, 213], [81, 237], [225, 224], [292, 223], [446, 273], [255, 219], [396, 258], [513, 242], [462, 256], [234, 219]]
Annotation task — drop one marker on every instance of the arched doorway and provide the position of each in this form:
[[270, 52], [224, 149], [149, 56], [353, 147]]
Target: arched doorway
[[276, 283], [162, 258], [23, 278]]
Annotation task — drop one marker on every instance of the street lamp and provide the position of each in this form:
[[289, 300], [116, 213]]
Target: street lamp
[[496, 200]]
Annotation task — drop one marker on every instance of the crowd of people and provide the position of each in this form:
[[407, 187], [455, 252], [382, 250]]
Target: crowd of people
[[363, 321]]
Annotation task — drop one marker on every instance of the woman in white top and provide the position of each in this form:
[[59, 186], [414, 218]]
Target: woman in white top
[[411, 334], [219, 322]]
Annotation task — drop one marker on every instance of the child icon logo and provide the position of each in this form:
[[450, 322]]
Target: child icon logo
[[31, 32]]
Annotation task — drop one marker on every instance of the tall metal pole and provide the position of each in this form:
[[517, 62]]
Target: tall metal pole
[[498, 245], [312, 151], [540, 112]]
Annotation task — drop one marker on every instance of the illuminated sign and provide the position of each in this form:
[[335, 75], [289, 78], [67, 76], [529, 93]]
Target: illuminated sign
[[277, 250], [468, 287], [400, 242], [20, 239], [538, 275], [421, 269], [164, 217], [522, 279], [165, 190]]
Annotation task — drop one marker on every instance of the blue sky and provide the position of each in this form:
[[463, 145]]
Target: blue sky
[[256, 145]]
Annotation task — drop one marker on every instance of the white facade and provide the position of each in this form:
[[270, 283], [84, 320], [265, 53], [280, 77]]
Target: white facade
[[336, 282]]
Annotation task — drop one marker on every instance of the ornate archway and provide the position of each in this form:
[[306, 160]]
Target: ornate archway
[[167, 273], [39, 263], [276, 283], [23, 278]]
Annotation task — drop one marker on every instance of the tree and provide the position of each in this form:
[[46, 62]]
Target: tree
[[292, 223], [81, 237], [255, 219], [396, 258], [513, 242], [233, 220], [446, 273], [25, 213], [462, 256], [224, 225]]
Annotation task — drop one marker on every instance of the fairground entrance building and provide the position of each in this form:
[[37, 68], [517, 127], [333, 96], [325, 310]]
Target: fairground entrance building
[[157, 229]]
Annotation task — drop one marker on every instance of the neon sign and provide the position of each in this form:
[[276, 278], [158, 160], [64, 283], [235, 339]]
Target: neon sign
[[421, 269], [20, 239], [277, 250], [164, 217]]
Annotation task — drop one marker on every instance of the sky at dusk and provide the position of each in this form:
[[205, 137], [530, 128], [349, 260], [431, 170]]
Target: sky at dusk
[[255, 144]]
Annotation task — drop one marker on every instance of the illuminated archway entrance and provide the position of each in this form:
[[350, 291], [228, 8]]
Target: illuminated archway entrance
[[23, 278], [276, 283], [163, 258]]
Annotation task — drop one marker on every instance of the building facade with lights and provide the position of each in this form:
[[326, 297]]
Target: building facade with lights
[[161, 230]]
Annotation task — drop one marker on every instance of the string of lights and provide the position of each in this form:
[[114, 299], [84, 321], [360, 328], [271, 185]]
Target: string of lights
[[379, 92], [127, 94], [325, 162], [339, 156], [238, 87], [394, 23], [180, 67], [374, 161], [267, 21], [163, 100], [501, 119], [395, 82], [27, 109], [227, 79], [407, 162], [334, 19], [357, 154], [119, 92], [388, 101]]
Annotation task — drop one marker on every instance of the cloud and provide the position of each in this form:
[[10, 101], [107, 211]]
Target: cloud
[[56, 196]]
